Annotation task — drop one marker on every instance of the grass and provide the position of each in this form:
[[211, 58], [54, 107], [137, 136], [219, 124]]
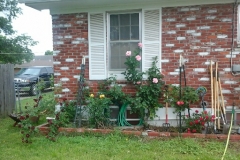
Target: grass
[[28, 101], [108, 147]]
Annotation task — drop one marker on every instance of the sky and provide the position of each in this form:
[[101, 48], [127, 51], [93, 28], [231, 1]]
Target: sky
[[36, 24]]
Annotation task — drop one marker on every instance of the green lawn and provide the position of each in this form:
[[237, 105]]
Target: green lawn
[[108, 147]]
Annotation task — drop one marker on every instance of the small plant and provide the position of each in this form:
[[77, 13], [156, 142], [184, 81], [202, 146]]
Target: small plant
[[132, 72], [198, 121], [111, 89], [60, 120], [188, 96], [98, 110], [69, 108]]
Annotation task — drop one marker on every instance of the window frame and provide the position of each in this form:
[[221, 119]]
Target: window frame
[[118, 72]]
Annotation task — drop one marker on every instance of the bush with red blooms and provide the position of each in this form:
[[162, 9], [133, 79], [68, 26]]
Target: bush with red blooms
[[198, 121], [28, 121], [180, 103], [61, 119]]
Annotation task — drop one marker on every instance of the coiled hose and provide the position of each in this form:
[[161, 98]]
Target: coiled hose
[[122, 117]]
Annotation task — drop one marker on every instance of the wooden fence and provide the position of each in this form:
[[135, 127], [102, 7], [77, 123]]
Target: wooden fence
[[7, 89]]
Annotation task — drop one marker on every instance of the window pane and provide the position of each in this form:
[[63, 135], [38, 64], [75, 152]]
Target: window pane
[[118, 54], [114, 33], [114, 20], [135, 19], [125, 33], [124, 19], [135, 32]]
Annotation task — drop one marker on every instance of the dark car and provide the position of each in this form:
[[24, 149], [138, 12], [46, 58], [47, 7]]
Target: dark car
[[26, 81]]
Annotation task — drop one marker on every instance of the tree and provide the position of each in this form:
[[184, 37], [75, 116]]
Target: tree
[[13, 48], [49, 52]]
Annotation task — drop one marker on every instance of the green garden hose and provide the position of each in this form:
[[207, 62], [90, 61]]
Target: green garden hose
[[229, 133], [122, 117]]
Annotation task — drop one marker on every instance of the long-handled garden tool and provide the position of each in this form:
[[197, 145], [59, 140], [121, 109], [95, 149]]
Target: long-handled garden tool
[[166, 125]]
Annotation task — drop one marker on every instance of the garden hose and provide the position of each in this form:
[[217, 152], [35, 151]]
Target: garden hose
[[122, 117], [229, 133]]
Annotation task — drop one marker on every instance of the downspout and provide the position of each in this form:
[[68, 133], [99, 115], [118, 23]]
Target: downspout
[[232, 43]]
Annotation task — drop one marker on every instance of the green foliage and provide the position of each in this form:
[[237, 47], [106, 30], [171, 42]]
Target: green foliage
[[149, 90], [9, 10], [60, 120], [111, 146], [111, 89], [132, 72], [28, 121], [47, 104], [13, 48], [49, 52], [188, 96], [98, 110], [69, 108]]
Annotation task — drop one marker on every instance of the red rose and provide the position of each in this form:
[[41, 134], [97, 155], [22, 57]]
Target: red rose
[[205, 112], [203, 123], [191, 123], [196, 121], [196, 111], [194, 130]]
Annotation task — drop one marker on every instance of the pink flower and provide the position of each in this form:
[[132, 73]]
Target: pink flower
[[138, 82], [138, 58], [140, 45], [155, 80], [128, 53]]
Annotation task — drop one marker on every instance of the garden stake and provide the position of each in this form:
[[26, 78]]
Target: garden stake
[[223, 105], [166, 125], [185, 82], [211, 74], [180, 92]]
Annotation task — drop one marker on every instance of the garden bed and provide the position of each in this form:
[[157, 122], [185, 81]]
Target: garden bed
[[44, 129]]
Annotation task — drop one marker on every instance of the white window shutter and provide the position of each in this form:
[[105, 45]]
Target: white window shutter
[[97, 46], [151, 37]]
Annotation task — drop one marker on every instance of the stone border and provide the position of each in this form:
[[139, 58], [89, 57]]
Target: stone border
[[43, 129]]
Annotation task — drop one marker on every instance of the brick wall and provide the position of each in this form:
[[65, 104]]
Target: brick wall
[[70, 44], [199, 33]]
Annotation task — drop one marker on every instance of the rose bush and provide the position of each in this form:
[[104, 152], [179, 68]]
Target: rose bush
[[198, 121]]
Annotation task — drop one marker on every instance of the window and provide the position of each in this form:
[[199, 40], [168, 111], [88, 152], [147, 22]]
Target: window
[[110, 35], [123, 35]]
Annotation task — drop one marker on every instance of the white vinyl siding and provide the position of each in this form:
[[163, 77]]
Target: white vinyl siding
[[97, 46]]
